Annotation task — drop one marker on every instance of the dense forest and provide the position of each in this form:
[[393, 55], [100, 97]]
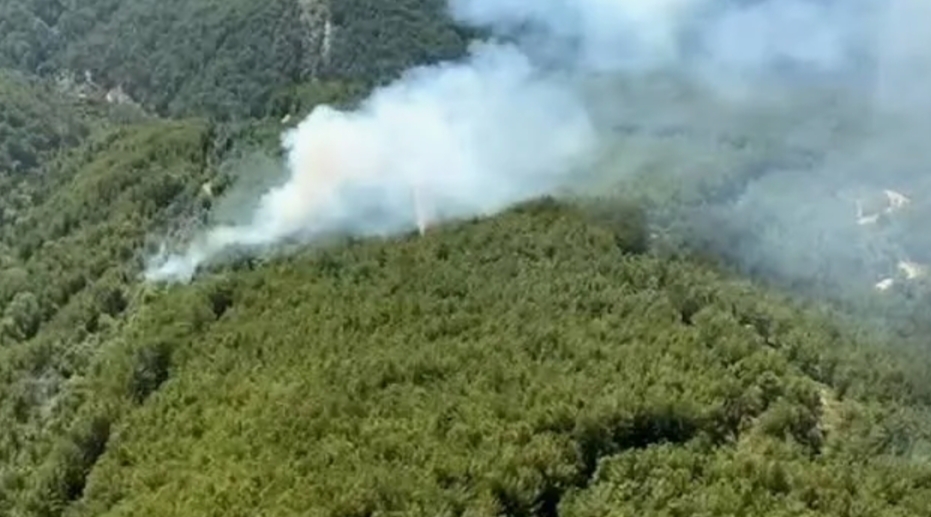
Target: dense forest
[[223, 59], [626, 354]]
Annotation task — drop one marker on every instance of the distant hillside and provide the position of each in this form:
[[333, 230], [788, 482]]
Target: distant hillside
[[225, 59]]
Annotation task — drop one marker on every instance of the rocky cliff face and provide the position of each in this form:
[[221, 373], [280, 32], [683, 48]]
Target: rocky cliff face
[[317, 18]]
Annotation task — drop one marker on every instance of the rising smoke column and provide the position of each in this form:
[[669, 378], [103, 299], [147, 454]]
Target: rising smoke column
[[466, 137], [509, 121]]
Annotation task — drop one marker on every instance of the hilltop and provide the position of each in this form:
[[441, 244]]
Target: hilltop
[[637, 352]]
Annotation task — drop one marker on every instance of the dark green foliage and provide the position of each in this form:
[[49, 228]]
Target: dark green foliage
[[62, 478], [301, 98], [503, 365], [146, 169], [756, 479], [585, 358], [211, 57], [227, 59], [69, 283], [628, 221], [515, 364], [150, 369], [34, 123], [375, 41], [221, 299]]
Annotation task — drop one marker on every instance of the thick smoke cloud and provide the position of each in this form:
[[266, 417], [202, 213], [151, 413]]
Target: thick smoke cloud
[[446, 141], [740, 37], [518, 117]]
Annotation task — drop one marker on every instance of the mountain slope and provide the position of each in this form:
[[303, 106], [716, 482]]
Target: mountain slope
[[565, 358], [68, 269], [492, 366], [225, 59]]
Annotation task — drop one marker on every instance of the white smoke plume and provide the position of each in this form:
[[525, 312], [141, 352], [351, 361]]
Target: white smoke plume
[[511, 121], [450, 140]]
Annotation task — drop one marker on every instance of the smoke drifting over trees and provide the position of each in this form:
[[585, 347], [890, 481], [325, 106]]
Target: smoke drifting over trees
[[827, 83]]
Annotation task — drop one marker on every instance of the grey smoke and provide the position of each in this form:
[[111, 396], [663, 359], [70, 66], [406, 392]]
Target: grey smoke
[[810, 103]]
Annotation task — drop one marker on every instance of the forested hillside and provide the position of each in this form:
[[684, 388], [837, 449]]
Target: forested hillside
[[627, 354], [226, 59]]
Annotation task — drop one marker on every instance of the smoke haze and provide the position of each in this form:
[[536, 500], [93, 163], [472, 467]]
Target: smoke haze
[[819, 101]]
